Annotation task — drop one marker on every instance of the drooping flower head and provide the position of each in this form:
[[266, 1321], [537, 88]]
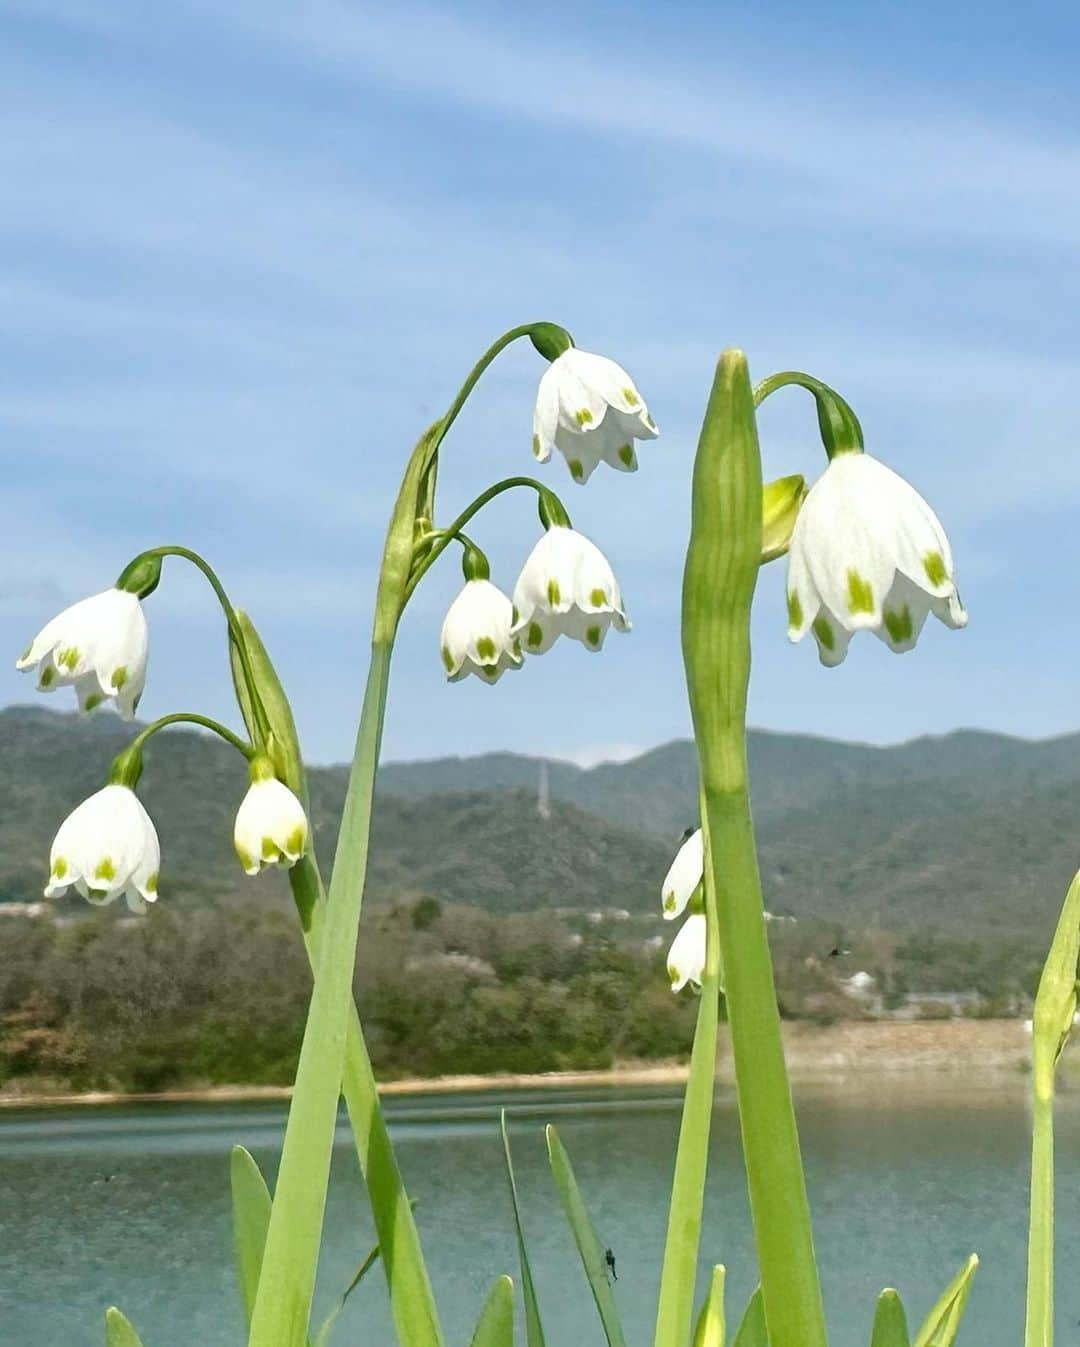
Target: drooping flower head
[[589, 409], [566, 588], [271, 825], [99, 646], [476, 634], [686, 957], [105, 847], [684, 876], [867, 552]]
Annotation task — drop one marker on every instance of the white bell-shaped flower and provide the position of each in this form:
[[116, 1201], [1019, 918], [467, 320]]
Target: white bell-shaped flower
[[99, 646], [271, 825], [686, 957], [684, 877], [589, 408], [105, 847], [867, 552], [476, 634], [566, 588]]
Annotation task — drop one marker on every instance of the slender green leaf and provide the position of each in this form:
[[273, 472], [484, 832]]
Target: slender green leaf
[[495, 1327], [752, 1331], [534, 1331], [251, 1218], [323, 1335], [890, 1322], [710, 1330], [941, 1324], [592, 1257], [118, 1331]]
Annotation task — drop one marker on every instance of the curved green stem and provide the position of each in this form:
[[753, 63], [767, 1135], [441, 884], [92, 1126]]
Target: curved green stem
[[192, 718], [841, 432], [202, 565], [718, 587], [444, 537]]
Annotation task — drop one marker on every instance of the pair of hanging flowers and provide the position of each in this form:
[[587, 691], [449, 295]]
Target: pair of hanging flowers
[[109, 845]]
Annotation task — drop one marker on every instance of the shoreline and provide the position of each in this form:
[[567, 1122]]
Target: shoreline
[[874, 1050]]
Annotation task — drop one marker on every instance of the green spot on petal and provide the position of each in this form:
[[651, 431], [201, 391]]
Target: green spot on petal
[[68, 658], [535, 636], [447, 659], [592, 635], [598, 598], [294, 843], [60, 867], [794, 611], [120, 677], [536, 445], [554, 593], [669, 901], [583, 416], [485, 648], [934, 566], [631, 397], [577, 469], [626, 454], [151, 884], [48, 676], [270, 850], [95, 699], [824, 632], [860, 595], [899, 625], [106, 870], [248, 862]]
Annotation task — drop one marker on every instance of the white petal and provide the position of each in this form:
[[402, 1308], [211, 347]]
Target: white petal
[[684, 876], [686, 958], [546, 415], [903, 615], [832, 638]]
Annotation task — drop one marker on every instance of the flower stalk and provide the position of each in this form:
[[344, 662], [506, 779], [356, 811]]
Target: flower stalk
[[718, 588]]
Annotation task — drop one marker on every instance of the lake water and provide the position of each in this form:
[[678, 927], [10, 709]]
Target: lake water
[[130, 1206]]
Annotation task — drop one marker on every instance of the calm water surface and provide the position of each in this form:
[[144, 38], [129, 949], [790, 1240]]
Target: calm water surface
[[130, 1206]]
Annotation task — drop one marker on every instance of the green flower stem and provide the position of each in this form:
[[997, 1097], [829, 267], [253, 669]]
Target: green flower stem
[[191, 718], [283, 1303], [1052, 1022], [1039, 1315], [676, 1303], [841, 432], [412, 1301], [444, 537], [201, 564], [718, 587]]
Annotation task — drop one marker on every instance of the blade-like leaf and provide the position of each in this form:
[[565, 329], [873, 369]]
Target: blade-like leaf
[[495, 1327], [534, 1332], [251, 1218], [710, 1325], [592, 1258], [890, 1322], [752, 1331], [941, 1324], [323, 1335], [118, 1331]]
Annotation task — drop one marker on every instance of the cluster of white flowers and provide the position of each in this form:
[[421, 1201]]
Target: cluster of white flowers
[[686, 958]]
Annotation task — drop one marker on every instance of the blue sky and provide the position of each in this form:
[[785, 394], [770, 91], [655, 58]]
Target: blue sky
[[248, 251]]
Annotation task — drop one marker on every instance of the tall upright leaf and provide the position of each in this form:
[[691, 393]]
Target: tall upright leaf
[[939, 1328], [495, 1327], [581, 1226], [752, 1331], [890, 1322], [118, 1331], [534, 1332], [251, 1205]]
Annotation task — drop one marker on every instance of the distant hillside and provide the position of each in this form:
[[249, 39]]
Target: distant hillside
[[976, 834]]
